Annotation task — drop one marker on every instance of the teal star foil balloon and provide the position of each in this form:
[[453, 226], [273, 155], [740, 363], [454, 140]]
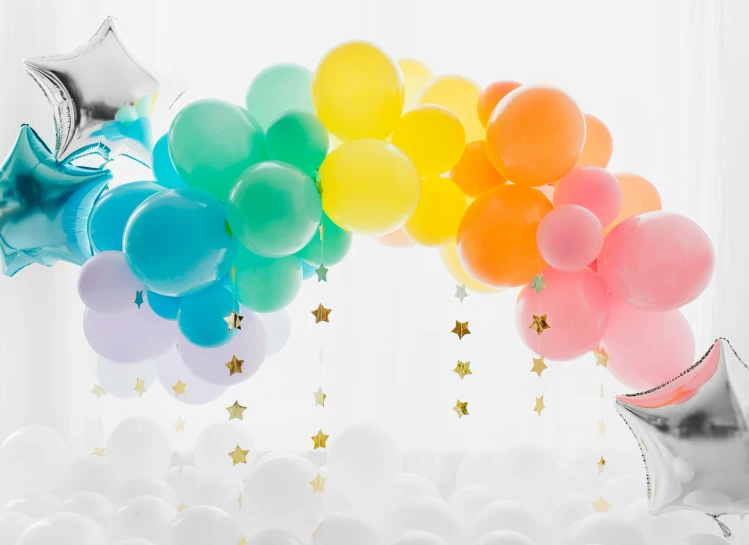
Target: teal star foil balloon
[[45, 206]]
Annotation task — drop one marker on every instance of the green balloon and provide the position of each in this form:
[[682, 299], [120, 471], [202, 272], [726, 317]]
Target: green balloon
[[279, 88], [211, 142], [274, 209], [298, 138], [329, 251], [266, 284]]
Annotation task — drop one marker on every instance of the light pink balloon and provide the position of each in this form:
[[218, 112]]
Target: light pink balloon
[[647, 349], [569, 237], [593, 188], [657, 261], [105, 283], [576, 306]]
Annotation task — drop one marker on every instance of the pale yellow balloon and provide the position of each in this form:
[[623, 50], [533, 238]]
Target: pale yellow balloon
[[333, 143], [415, 75], [358, 91], [432, 136], [369, 187], [449, 255], [459, 95], [441, 206]]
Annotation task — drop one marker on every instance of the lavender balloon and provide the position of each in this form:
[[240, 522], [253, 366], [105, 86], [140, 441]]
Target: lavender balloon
[[119, 379], [209, 364], [171, 369], [106, 284], [277, 330], [129, 337]]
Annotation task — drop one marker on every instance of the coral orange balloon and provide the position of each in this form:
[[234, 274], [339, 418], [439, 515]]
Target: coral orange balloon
[[449, 255], [638, 196], [535, 135], [490, 97], [497, 236], [474, 173], [396, 239], [598, 145]]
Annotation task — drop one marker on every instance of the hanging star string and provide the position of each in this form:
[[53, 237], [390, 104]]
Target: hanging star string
[[601, 465], [461, 408], [98, 391], [539, 324], [601, 427], [318, 484], [538, 284], [461, 329], [234, 320], [539, 407], [462, 369], [238, 456], [601, 505], [179, 388], [99, 451], [321, 314], [139, 298], [322, 273], [460, 292], [236, 411], [538, 365], [319, 440], [234, 366], [320, 397], [602, 358], [181, 507], [179, 425], [140, 386]]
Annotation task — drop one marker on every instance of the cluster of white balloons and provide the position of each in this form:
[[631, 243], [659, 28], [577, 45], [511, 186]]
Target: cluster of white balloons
[[143, 494]]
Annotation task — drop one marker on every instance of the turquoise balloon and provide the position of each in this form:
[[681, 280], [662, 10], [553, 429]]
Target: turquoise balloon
[[266, 284], [110, 215], [279, 88], [162, 305], [329, 251], [211, 142], [274, 209], [163, 168], [201, 316], [308, 271], [298, 138], [177, 243]]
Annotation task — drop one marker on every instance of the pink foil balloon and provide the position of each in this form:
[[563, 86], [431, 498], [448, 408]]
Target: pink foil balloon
[[569, 237], [592, 188], [647, 349], [657, 261], [106, 285], [576, 306]]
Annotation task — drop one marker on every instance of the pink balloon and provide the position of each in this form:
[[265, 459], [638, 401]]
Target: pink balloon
[[569, 237], [645, 348], [592, 188], [105, 283], [576, 306], [657, 261]]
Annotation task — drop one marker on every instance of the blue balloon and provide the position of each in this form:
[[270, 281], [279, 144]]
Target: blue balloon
[[110, 215], [45, 206], [162, 305], [163, 168], [201, 316], [308, 271], [177, 242]]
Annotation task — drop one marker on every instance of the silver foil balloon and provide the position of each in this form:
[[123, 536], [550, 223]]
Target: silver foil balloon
[[104, 97], [693, 432]]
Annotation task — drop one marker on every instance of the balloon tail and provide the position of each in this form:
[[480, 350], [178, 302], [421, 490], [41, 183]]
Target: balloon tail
[[727, 533]]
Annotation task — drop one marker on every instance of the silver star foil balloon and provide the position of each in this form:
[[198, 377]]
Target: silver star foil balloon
[[104, 97], [45, 206], [693, 433]]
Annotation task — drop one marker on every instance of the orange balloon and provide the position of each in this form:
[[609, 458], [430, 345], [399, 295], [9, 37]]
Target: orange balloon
[[474, 173], [396, 239], [535, 135], [638, 196], [490, 97], [449, 255], [598, 145], [497, 236]]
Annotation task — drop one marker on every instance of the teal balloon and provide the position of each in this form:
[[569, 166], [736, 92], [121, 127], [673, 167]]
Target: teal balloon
[[177, 242], [201, 316], [279, 88], [111, 213], [308, 271], [329, 251], [274, 209], [163, 306], [163, 168], [298, 138], [266, 284], [211, 142]]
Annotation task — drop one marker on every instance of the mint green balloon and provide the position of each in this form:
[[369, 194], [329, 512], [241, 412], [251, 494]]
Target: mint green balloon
[[299, 138], [279, 88], [329, 251], [266, 284], [211, 142]]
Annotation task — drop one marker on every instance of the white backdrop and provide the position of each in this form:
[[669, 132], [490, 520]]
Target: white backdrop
[[667, 77]]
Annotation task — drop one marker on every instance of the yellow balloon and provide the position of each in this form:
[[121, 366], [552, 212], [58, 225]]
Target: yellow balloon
[[459, 95], [441, 207], [369, 187], [432, 137], [449, 255], [358, 92], [415, 75]]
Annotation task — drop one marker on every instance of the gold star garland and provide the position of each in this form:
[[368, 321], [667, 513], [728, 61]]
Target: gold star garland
[[539, 325], [462, 368], [601, 360]]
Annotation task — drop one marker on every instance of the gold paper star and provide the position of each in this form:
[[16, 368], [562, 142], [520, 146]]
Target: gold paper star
[[460, 329], [181, 507], [139, 298], [99, 451], [235, 365], [238, 456], [98, 391], [602, 358], [321, 314], [319, 397], [601, 505], [322, 273], [320, 440], [601, 465], [538, 283], [236, 411], [460, 292], [538, 365], [539, 405], [461, 408], [463, 369], [179, 425], [233, 273], [601, 427], [140, 386], [179, 388], [539, 324], [234, 320], [242, 540], [318, 484]]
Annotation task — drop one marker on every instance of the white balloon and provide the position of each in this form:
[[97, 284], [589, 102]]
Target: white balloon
[[212, 450], [12, 525], [184, 480], [147, 486], [418, 537], [134, 542], [571, 508], [277, 331], [408, 485], [118, 379], [35, 505], [426, 462], [216, 491], [138, 447], [667, 528], [92, 505], [32, 459], [478, 467], [506, 515], [603, 529], [424, 513], [274, 537], [704, 539], [64, 529], [346, 529], [204, 525], [527, 474], [504, 537], [622, 491], [466, 502], [88, 474], [573, 481], [144, 517]]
